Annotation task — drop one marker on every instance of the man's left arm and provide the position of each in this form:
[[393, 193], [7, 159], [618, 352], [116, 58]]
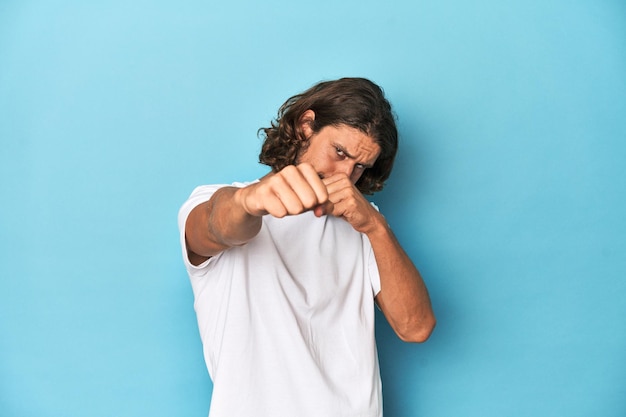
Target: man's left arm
[[403, 297]]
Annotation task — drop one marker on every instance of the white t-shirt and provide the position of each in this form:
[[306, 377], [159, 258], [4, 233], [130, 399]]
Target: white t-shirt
[[287, 320]]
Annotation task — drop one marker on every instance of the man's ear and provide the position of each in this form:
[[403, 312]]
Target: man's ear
[[306, 123]]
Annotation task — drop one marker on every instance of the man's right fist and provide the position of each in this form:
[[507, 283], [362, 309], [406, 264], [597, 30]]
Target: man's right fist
[[293, 190]]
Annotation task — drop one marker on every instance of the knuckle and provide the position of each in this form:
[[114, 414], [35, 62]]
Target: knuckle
[[279, 212], [309, 201], [296, 208], [288, 169]]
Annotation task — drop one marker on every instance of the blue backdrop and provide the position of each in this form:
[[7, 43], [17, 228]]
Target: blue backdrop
[[509, 191]]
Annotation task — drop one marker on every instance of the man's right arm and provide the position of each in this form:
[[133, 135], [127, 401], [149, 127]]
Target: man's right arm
[[233, 216], [218, 224]]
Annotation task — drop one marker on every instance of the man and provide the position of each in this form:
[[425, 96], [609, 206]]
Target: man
[[286, 270]]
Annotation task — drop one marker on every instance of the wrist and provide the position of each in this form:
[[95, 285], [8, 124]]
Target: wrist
[[377, 227], [244, 202], [239, 200]]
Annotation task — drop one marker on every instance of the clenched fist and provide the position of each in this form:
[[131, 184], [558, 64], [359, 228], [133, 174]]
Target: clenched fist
[[293, 190]]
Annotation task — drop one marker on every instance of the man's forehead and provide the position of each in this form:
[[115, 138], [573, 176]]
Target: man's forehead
[[363, 144]]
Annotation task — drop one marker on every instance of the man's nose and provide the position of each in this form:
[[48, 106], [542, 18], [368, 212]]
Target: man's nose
[[347, 168]]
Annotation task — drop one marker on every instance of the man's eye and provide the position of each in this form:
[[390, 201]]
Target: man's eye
[[340, 152]]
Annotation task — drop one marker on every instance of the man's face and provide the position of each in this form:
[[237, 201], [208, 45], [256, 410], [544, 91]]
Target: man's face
[[339, 149]]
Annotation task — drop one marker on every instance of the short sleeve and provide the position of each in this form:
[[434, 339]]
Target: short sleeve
[[372, 266], [199, 195]]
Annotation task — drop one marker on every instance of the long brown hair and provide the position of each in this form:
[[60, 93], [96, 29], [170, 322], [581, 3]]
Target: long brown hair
[[354, 102]]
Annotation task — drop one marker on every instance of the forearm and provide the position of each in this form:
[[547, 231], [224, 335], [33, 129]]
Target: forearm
[[403, 297], [220, 223]]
